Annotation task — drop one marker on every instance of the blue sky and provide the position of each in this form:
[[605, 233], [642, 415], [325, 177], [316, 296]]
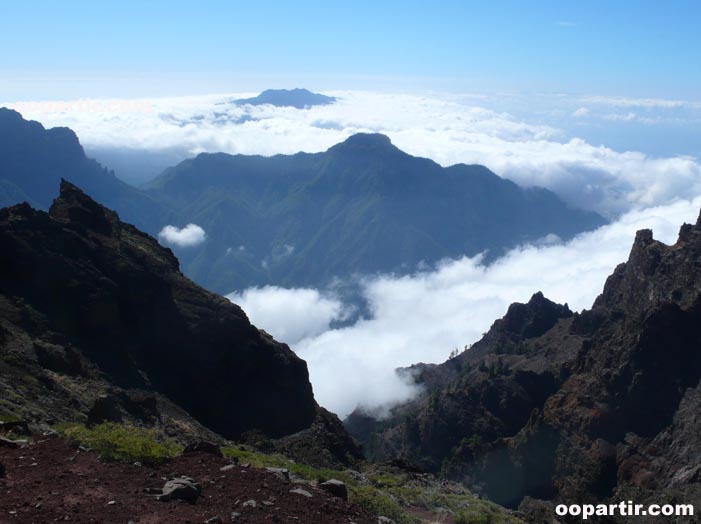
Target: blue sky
[[128, 48]]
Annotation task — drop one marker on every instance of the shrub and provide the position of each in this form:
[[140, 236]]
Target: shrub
[[261, 460], [474, 518], [379, 503], [115, 442]]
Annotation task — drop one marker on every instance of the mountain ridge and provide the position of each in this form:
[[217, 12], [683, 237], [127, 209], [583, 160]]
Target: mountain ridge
[[560, 406], [309, 219], [362, 206]]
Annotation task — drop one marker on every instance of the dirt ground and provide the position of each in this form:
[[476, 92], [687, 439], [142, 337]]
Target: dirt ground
[[52, 481]]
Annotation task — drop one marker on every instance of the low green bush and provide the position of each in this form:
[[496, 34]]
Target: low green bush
[[379, 503], [121, 443]]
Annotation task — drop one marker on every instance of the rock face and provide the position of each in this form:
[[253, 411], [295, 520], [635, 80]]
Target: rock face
[[96, 316], [602, 405]]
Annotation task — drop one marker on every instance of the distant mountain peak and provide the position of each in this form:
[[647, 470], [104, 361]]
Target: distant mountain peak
[[365, 143], [298, 98]]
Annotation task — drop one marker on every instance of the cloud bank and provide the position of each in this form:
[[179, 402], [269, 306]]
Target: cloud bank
[[540, 146], [290, 315], [189, 236], [422, 317]]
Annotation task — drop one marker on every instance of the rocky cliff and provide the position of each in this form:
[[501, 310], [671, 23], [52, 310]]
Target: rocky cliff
[[602, 405], [97, 321]]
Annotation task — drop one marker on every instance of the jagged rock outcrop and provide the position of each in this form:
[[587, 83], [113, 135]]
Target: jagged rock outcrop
[[96, 320], [602, 405]]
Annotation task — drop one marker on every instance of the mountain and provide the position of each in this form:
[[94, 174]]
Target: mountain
[[297, 98], [595, 406], [97, 321], [363, 206], [33, 160]]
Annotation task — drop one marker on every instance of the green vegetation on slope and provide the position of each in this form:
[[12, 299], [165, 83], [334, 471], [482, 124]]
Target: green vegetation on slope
[[380, 489], [391, 492], [115, 442]]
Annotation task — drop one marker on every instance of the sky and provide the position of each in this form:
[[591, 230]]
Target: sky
[[128, 48]]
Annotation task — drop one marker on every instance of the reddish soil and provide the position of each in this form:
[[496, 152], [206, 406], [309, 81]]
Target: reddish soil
[[52, 481]]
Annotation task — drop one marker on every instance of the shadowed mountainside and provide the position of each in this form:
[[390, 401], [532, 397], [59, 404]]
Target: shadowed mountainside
[[363, 206], [33, 160], [552, 405], [91, 306]]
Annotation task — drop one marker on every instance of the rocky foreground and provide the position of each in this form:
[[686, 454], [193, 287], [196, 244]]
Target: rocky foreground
[[54, 481]]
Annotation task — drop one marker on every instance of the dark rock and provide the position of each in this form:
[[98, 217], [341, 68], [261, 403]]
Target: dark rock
[[104, 409], [183, 488], [118, 406], [551, 406], [13, 444], [59, 359], [14, 425], [538, 511], [324, 444], [302, 492], [336, 487], [2, 470], [281, 473], [203, 447], [98, 294]]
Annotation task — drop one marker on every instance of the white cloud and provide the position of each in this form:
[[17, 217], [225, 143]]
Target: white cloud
[[290, 315], [620, 101], [448, 129], [421, 318], [188, 236], [621, 117], [580, 112]]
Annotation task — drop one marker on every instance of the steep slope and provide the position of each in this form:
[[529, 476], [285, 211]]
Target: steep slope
[[601, 405], [33, 160], [363, 206], [97, 319]]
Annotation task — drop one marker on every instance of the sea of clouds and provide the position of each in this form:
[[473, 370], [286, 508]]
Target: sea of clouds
[[424, 316], [541, 147]]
